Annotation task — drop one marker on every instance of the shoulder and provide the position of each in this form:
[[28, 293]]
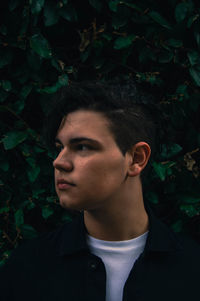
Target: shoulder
[[173, 251], [184, 260], [34, 261], [189, 246], [43, 247]]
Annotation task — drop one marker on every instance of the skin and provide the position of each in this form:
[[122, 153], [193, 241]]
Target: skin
[[105, 183]]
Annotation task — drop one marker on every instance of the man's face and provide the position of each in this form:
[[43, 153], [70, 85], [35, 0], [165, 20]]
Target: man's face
[[90, 169]]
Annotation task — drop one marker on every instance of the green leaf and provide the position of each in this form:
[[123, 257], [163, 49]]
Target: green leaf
[[34, 61], [182, 93], [66, 217], [4, 165], [13, 4], [6, 57], [34, 170], [165, 56], [97, 4], [25, 91], [197, 37], [51, 199], [160, 170], [69, 13], [177, 226], [4, 210], [63, 80], [33, 173], [169, 151], [50, 89], [182, 89], [30, 205], [24, 28], [6, 85], [132, 5], [38, 149], [174, 43], [181, 11], [121, 18], [47, 211], [28, 231], [194, 57], [107, 36], [159, 19], [175, 149], [191, 20], [31, 161], [56, 64], [19, 217], [12, 139], [189, 199], [2, 262], [37, 6], [152, 197], [5, 256], [3, 96], [113, 4], [124, 42], [146, 53], [3, 29], [195, 74], [41, 46], [163, 169], [37, 192], [18, 106], [70, 69], [51, 15], [84, 55], [190, 210]]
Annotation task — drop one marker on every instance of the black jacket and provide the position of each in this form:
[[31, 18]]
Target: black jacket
[[59, 267]]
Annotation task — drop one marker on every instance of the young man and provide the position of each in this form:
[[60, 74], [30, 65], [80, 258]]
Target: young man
[[116, 249]]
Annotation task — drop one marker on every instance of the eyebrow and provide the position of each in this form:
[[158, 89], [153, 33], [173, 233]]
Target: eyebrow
[[78, 140]]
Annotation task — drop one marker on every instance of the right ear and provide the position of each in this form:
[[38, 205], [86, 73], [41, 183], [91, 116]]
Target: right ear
[[139, 157]]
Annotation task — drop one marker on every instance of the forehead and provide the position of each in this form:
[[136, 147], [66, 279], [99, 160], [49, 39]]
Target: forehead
[[85, 123]]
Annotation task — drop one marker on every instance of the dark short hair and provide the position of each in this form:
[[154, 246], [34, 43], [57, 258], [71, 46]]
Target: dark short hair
[[126, 107]]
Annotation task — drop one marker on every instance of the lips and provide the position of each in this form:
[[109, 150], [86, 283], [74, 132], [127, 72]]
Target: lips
[[63, 184]]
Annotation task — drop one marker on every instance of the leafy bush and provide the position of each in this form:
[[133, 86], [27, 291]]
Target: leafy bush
[[44, 45]]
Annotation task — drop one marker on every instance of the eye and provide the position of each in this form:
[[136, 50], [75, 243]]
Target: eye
[[83, 147], [58, 147]]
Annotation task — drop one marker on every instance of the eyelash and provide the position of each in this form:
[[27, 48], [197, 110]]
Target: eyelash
[[79, 147], [58, 147]]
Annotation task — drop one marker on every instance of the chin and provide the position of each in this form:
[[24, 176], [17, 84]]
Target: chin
[[71, 205]]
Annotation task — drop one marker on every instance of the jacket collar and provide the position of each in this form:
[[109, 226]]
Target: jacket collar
[[73, 237], [160, 237]]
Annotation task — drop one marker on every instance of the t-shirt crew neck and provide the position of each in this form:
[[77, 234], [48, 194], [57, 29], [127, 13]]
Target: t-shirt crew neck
[[118, 258]]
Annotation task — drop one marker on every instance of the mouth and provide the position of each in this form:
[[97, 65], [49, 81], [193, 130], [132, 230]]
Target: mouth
[[63, 184]]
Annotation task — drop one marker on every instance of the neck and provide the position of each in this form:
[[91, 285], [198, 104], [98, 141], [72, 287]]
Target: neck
[[123, 218]]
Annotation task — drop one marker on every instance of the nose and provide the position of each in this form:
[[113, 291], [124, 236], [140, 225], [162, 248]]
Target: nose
[[63, 162]]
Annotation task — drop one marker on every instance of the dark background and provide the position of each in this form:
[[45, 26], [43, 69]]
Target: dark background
[[44, 45]]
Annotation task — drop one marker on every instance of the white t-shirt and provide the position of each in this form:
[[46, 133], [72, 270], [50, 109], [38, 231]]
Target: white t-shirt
[[118, 258]]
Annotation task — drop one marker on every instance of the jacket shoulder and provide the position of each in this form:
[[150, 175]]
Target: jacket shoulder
[[44, 245]]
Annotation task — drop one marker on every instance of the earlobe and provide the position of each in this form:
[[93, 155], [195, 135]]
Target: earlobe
[[140, 154]]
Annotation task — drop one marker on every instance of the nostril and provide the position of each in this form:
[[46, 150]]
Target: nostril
[[64, 165]]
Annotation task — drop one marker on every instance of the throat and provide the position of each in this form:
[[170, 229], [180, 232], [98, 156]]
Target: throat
[[116, 227]]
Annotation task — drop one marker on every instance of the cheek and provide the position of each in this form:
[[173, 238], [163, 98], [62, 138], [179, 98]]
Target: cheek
[[104, 172]]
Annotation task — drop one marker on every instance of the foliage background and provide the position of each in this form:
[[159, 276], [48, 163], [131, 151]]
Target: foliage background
[[47, 43]]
